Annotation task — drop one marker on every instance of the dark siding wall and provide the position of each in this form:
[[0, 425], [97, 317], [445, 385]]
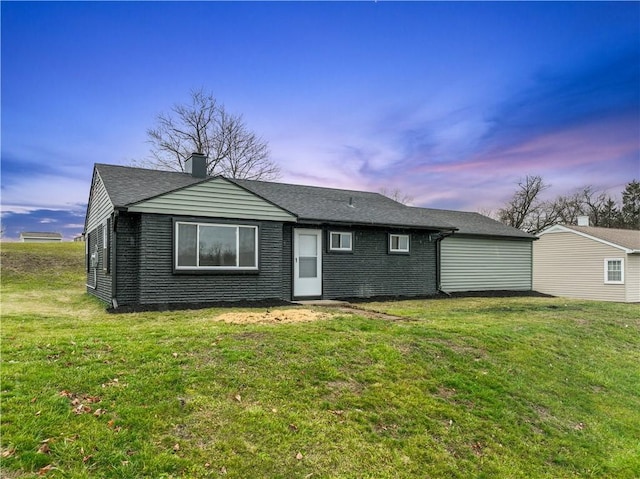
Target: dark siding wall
[[371, 271], [127, 267], [158, 284], [100, 279], [287, 265]]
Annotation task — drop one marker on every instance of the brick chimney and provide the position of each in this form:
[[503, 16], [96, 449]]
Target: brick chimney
[[196, 165], [583, 220]]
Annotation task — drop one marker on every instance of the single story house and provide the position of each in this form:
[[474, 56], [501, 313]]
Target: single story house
[[40, 237], [588, 262], [158, 238]]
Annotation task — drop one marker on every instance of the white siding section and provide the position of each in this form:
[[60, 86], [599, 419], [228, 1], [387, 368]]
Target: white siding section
[[567, 264], [479, 264], [216, 198], [632, 280], [100, 206]]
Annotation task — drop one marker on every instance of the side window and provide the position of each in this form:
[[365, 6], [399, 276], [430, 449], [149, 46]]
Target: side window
[[398, 243], [340, 241], [614, 271]]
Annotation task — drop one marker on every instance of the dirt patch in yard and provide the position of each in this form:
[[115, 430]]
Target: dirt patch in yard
[[294, 315]]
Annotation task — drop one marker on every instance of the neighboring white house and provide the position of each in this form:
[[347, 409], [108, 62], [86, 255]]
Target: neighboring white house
[[588, 262], [39, 237]]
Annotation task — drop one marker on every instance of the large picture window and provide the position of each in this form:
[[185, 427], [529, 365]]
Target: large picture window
[[216, 246]]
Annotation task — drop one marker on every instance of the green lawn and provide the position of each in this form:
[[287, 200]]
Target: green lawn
[[457, 388]]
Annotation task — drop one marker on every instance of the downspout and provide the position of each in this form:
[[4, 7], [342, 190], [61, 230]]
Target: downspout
[[113, 257], [439, 239]]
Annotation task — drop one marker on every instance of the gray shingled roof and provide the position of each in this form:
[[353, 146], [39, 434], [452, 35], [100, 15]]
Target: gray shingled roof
[[629, 239], [127, 185], [312, 203], [473, 223]]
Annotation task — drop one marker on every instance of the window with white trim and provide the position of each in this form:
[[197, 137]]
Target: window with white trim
[[340, 241], [398, 243], [614, 271], [207, 246]]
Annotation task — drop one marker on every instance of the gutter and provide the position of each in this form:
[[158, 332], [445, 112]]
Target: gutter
[[439, 238], [114, 258]]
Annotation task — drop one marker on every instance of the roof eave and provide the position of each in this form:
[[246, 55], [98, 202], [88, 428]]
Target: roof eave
[[318, 221]]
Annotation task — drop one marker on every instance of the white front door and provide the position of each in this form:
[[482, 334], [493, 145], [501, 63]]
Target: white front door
[[307, 263]]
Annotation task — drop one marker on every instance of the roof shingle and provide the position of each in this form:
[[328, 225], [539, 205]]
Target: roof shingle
[[128, 185], [629, 239]]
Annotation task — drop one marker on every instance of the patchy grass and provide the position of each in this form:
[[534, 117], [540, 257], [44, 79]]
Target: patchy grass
[[476, 387]]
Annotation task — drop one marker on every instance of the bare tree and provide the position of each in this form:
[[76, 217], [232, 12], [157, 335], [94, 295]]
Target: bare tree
[[203, 125], [525, 210], [528, 212], [396, 195]]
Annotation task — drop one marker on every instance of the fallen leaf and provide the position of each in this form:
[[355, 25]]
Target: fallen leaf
[[45, 469], [238, 398], [44, 449], [176, 447], [9, 452], [175, 355], [38, 413], [579, 426], [99, 412], [33, 400], [206, 464], [86, 458], [111, 422], [82, 409], [223, 470], [293, 427], [299, 456]]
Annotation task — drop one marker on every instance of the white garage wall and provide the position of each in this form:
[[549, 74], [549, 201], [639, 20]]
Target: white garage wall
[[482, 264]]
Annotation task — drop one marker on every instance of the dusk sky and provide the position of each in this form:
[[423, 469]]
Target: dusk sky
[[451, 103]]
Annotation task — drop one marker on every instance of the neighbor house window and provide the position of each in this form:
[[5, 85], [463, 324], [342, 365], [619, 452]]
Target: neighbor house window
[[614, 271], [339, 241], [398, 243], [216, 246]]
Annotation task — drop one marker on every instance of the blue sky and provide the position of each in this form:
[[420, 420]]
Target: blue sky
[[451, 102]]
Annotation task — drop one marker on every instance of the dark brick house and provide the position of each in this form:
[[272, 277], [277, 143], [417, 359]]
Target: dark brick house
[[168, 238]]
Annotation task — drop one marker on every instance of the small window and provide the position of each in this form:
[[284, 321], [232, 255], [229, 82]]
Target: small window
[[216, 246], [106, 240], [614, 271], [340, 241], [398, 243]]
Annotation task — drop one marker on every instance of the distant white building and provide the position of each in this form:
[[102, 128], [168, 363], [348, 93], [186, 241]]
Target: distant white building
[[40, 237]]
